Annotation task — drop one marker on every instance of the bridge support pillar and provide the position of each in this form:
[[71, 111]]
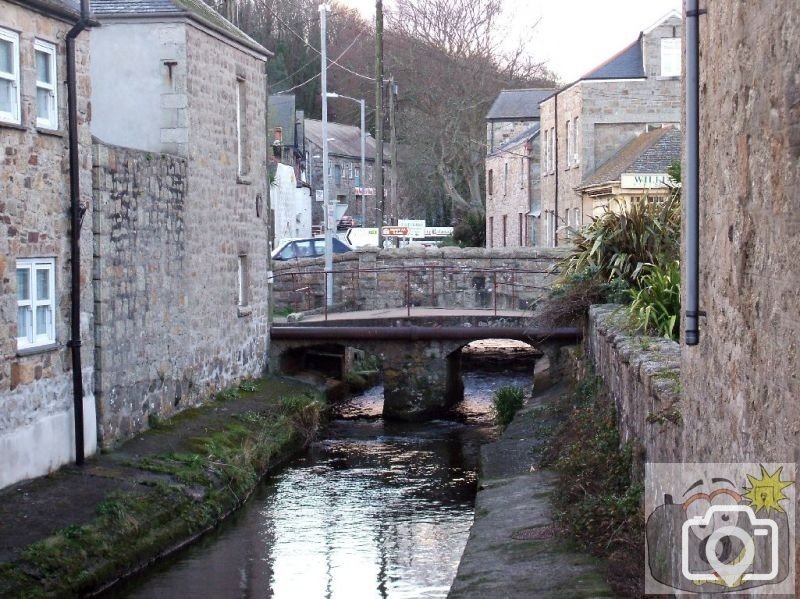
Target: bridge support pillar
[[421, 380]]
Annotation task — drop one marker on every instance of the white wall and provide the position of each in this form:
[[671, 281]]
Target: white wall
[[46, 443], [135, 102], [291, 205]]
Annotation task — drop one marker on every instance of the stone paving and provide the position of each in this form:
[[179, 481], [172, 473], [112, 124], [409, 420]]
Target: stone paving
[[514, 550]]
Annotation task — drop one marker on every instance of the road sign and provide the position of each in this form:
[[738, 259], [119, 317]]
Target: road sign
[[361, 236], [319, 195], [395, 231], [416, 228], [364, 191]]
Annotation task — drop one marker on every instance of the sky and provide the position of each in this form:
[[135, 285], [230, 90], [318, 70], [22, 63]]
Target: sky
[[572, 36]]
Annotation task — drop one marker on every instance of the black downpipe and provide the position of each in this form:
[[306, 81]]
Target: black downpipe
[[555, 158], [692, 176], [76, 218]]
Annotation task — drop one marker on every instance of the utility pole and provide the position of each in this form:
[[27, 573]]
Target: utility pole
[[394, 209], [328, 208], [380, 200]]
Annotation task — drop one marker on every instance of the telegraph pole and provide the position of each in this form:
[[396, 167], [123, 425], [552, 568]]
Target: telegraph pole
[[379, 118], [395, 204]]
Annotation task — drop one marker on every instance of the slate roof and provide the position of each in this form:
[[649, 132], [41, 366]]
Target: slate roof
[[69, 9], [346, 140], [517, 140], [517, 104], [628, 63], [651, 152], [196, 9]]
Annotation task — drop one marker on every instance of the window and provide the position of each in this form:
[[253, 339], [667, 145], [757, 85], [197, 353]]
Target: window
[[569, 144], [46, 85], [35, 302], [521, 230], [505, 228], [575, 141], [241, 130], [546, 153], [491, 231], [490, 183], [552, 150], [357, 176], [337, 174], [576, 218], [369, 175], [9, 77], [671, 57], [521, 173], [505, 178], [243, 283]]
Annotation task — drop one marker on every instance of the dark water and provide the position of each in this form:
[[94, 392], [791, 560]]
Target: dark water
[[374, 509]]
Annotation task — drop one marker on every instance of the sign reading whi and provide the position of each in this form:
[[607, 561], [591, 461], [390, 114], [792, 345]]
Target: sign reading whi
[[645, 181], [364, 191]]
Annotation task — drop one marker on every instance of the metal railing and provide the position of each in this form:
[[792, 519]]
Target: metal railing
[[431, 286]]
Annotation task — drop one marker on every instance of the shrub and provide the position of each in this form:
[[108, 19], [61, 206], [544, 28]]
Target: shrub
[[506, 403], [656, 304], [305, 414], [626, 237], [471, 230]]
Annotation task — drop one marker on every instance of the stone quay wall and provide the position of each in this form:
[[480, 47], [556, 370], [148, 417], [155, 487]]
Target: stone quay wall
[[372, 279], [642, 375]]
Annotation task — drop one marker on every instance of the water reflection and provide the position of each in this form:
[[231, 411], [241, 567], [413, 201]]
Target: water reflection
[[373, 510]]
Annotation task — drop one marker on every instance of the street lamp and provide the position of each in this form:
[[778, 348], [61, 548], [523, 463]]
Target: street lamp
[[363, 154]]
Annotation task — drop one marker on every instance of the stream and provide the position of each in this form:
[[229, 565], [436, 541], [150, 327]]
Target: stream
[[373, 508]]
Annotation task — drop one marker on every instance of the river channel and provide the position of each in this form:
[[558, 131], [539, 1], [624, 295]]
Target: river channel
[[372, 509]]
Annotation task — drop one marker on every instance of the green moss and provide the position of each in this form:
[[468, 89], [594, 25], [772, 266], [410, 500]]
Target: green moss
[[207, 481]]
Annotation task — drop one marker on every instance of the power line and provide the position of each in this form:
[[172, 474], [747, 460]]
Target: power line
[[330, 61]]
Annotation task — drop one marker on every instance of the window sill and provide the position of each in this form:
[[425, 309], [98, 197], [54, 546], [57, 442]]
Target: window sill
[[244, 180], [52, 132], [9, 125], [242, 311], [38, 349]]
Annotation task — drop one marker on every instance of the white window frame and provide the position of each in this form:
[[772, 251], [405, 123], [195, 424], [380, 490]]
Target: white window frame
[[575, 141], [670, 57], [14, 116], [569, 143], [51, 121], [32, 338]]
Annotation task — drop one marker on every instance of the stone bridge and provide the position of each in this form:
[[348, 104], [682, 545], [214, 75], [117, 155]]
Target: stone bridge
[[419, 349], [455, 278]]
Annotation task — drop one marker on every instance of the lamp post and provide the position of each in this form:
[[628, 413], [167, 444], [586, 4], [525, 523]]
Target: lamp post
[[363, 153], [328, 209]]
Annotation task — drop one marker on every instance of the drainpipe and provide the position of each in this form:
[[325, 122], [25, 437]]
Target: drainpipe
[[692, 175], [555, 158], [76, 218]]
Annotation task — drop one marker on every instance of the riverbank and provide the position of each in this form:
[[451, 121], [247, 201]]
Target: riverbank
[[80, 529], [514, 549]]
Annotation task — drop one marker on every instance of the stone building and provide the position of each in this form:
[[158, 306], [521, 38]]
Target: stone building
[[638, 170], [37, 431], [513, 199], [346, 185], [181, 238], [741, 384], [586, 122]]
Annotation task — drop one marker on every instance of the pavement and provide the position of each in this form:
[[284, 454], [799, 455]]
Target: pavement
[[514, 549]]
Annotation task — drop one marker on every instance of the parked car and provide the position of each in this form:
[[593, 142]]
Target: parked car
[[311, 247]]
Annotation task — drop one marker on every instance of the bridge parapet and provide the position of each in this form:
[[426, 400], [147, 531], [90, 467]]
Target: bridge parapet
[[371, 279]]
